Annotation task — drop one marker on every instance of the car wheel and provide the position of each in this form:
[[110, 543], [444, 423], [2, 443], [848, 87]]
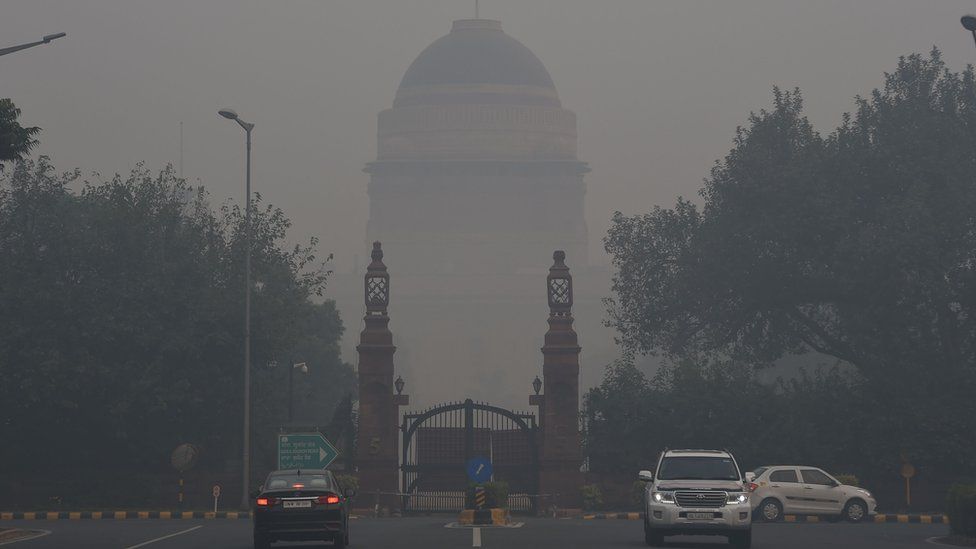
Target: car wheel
[[652, 538], [261, 542], [770, 510], [855, 510], [741, 540]]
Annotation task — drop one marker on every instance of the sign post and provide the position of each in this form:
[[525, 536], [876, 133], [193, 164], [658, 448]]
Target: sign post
[[182, 459], [908, 471], [305, 451], [216, 495]]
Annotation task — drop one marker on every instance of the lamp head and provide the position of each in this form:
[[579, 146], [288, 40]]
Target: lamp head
[[969, 22], [229, 114], [47, 39]]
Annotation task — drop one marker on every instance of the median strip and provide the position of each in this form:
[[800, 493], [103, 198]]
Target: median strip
[[880, 518], [123, 515]]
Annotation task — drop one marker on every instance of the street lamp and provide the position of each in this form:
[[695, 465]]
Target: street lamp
[[969, 23], [291, 376], [536, 384], [44, 40], [230, 114], [399, 384]]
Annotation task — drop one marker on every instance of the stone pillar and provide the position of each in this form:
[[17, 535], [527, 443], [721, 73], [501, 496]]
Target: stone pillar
[[560, 453], [376, 455]]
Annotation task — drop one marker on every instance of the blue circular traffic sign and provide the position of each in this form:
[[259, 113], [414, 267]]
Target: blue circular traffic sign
[[479, 469]]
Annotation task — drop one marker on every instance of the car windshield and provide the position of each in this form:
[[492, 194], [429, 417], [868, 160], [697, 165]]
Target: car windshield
[[697, 468], [758, 471], [286, 482]]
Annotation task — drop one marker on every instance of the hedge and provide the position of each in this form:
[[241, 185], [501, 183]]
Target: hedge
[[961, 509]]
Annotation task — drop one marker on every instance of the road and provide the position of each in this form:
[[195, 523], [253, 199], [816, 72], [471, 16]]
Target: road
[[430, 532]]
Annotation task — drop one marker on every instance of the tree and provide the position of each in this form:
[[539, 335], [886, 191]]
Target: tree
[[121, 310], [15, 140], [858, 245]]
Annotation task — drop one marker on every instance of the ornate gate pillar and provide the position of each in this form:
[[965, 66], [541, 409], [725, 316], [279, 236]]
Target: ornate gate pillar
[[560, 451], [378, 405]]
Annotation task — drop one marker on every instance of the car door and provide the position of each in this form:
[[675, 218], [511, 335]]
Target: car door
[[784, 485], [821, 491]]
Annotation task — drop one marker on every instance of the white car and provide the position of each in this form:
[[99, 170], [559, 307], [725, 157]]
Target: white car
[[779, 490], [696, 492]]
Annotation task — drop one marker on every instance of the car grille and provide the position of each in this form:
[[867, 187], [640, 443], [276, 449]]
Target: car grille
[[700, 499]]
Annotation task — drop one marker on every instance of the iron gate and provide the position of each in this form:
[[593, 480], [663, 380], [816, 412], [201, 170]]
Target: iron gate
[[438, 442]]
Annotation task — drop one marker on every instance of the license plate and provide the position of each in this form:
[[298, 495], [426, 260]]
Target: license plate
[[296, 504], [699, 516]]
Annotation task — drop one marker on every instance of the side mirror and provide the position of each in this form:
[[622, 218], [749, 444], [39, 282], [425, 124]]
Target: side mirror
[[750, 476], [351, 492], [646, 476]]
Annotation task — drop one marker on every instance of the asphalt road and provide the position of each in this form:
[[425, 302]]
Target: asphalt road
[[430, 532]]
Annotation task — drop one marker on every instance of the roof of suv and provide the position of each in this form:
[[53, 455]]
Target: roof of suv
[[697, 453]]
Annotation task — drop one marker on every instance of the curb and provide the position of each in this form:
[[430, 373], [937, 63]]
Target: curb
[[904, 519], [913, 519], [614, 516], [484, 517], [121, 515]]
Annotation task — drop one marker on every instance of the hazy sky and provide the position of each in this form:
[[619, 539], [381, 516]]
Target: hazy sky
[[658, 86]]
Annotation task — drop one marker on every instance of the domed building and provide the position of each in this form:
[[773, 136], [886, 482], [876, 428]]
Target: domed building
[[476, 167], [475, 184]]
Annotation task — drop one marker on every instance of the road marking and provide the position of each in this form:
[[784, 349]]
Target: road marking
[[143, 544], [37, 534], [476, 537]]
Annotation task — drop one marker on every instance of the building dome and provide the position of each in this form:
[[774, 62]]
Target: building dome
[[476, 94], [477, 63]]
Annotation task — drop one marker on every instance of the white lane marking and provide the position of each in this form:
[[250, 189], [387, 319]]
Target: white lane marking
[[476, 537], [143, 544], [37, 534]]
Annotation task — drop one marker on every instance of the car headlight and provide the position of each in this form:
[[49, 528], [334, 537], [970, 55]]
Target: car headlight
[[663, 497], [736, 498]]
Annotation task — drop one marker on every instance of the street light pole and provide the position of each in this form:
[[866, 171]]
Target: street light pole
[[291, 385], [45, 40], [246, 455], [969, 23]]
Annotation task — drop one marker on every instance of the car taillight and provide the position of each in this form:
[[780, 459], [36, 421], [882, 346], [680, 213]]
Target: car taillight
[[267, 502], [328, 499], [752, 486]]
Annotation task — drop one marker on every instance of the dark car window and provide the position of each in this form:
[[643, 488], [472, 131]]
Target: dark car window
[[783, 475], [813, 476], [285, 482], [759, 471], [697, 468]]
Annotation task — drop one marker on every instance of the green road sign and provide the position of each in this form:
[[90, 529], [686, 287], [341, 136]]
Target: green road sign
[[305, 451]]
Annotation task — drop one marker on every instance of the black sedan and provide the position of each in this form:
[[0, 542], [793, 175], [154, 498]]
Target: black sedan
[[301, 505]]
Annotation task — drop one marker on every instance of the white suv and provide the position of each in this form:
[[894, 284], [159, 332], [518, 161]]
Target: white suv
[[696, 492]]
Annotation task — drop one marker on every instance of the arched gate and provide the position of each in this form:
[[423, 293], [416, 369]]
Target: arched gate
[[437, 443]]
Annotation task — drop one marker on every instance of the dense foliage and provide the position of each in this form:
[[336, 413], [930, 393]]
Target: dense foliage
[[961, 510], [121, 323], [15, 140], [859, 245], [629, 419]]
